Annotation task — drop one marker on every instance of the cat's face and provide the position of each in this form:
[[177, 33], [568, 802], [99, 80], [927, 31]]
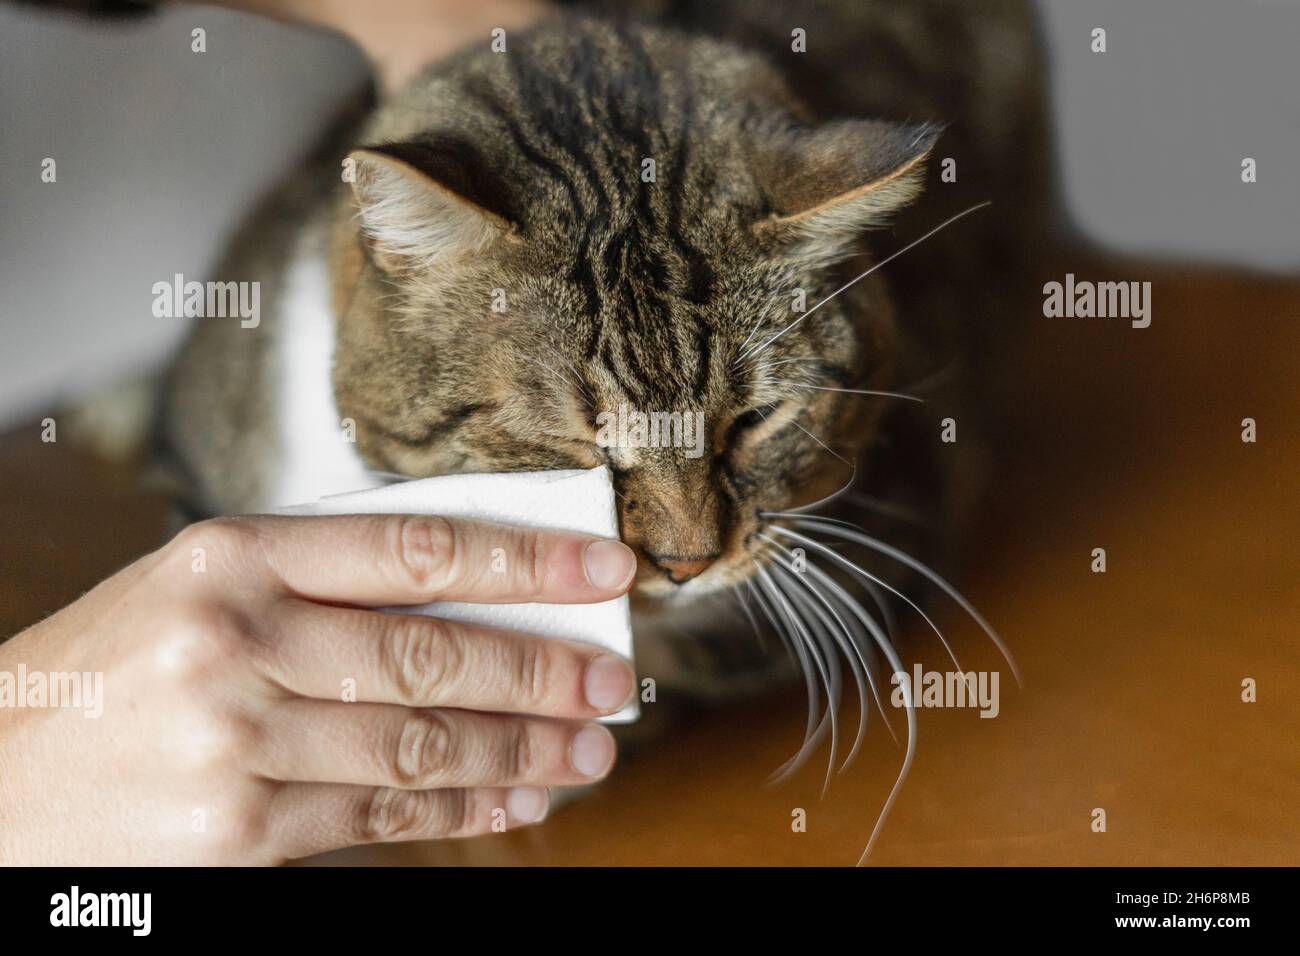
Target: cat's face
[[618, 255]]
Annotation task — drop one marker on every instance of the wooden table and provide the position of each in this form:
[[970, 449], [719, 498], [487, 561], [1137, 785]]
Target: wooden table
[[1116, 438]]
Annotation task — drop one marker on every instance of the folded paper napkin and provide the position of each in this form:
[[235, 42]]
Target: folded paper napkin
[[569, 500]]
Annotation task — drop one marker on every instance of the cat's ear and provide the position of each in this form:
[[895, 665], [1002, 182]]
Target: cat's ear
[[830, 182], [423, 204]]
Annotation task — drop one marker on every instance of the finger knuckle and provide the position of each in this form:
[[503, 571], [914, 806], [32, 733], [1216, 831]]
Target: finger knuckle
[[425, 552], [426, 748], [426, 656], [394, 814], [389, 814], [222, 741], [517, 758], [532, 673], [221, 536], [534, 559], [197, 639]]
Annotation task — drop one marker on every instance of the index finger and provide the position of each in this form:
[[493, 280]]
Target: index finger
[[415, 559]]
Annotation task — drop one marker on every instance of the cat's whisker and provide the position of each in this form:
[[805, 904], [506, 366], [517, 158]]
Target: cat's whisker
[[857, 638], [934, 379], [822, 641], [815, 730], [792, 649], [763, 381], [855, 281], [822, 443], [859, 537], [575, 377], [739, 597], [556, 376], [863, 640], [822, 502], [854, 391], [812, 648], [859, 645], [762, 317], [789, 361], [554, 373], [749, 586], [844, 638], [870, 578], [887, 508], [886, 612], [795, 359], [887, 649]]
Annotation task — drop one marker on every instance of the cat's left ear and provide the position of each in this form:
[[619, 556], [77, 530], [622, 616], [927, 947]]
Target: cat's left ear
[[829, 183], [423, 204]]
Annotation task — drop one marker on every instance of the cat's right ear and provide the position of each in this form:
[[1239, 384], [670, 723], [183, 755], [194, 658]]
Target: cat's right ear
[[423, 205], [831, 182]]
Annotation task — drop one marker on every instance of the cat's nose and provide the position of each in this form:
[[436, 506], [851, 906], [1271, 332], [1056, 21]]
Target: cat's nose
[[682, 569]]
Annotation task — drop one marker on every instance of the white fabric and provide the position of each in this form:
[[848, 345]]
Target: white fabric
[[569, 500]]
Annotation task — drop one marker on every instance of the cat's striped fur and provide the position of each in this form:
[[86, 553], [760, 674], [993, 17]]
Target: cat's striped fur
[[520, 178]]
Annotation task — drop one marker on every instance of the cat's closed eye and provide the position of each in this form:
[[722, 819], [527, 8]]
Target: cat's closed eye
[[750, 421]]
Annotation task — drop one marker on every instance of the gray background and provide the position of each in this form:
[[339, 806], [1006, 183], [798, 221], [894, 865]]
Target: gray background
[[161, 150]]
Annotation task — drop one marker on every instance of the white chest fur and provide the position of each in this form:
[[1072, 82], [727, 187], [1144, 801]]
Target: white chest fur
[[316, 454]]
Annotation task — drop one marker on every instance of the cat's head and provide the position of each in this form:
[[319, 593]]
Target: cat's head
[[612, 245]]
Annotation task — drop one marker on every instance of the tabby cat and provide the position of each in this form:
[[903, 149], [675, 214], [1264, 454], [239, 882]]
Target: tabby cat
[[652, 205]]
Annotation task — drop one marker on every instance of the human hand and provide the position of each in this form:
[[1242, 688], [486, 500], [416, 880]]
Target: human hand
[[225, 737]]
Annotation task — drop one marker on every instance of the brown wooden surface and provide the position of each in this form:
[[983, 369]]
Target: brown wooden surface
[[1123, 439]]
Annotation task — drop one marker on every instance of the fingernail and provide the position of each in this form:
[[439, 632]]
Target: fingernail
[[527, 804], [610, 564], [592, 751], [608, 682]]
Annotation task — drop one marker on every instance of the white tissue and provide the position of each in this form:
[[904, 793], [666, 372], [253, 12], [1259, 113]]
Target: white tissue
[[569, 500]]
